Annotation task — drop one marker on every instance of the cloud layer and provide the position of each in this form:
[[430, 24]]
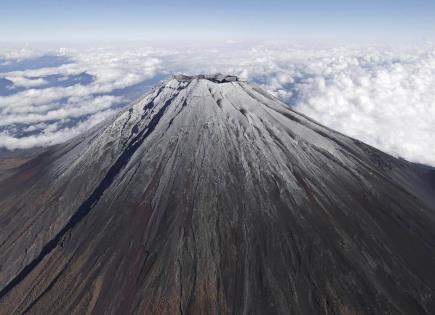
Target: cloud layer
[[382, 96]]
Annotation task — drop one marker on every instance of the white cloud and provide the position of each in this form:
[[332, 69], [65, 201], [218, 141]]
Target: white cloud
[[386, 100], [21, 81], [382, 96], [42, 110], [68, 110], [51, 135], [11, 53]]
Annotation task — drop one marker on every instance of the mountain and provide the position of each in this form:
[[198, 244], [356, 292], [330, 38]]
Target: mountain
[[209, 196]]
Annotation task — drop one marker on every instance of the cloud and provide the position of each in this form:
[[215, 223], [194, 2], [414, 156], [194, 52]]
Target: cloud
[[52, 135], [80, 105], [383, 96], [11, 54], [21, 81], [384, 99], [76, 109]]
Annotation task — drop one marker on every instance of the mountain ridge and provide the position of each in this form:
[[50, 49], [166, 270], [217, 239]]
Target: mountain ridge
[[208, 195]]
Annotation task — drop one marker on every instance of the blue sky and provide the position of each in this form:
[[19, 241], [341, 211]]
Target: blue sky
[[311, 20]]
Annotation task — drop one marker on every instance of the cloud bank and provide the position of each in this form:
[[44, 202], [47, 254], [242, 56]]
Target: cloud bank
[[382, 96]]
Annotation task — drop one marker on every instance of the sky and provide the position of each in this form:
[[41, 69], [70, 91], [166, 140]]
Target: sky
[[178, 20]]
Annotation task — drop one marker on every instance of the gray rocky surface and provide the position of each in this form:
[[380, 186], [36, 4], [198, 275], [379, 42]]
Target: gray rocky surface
[[209, 196]]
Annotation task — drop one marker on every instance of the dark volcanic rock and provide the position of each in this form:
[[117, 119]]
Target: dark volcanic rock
[[216, 78], [209, 196]]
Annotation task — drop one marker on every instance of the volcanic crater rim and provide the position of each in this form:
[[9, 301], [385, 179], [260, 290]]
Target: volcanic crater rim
[[216, 78]]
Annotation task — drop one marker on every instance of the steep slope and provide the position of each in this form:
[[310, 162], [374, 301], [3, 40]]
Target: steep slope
[[209, 196]]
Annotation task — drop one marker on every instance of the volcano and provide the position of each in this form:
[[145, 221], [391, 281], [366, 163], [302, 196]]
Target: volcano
[[209, 196]]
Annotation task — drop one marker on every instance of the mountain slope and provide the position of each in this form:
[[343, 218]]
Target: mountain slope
[[208, 195]]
